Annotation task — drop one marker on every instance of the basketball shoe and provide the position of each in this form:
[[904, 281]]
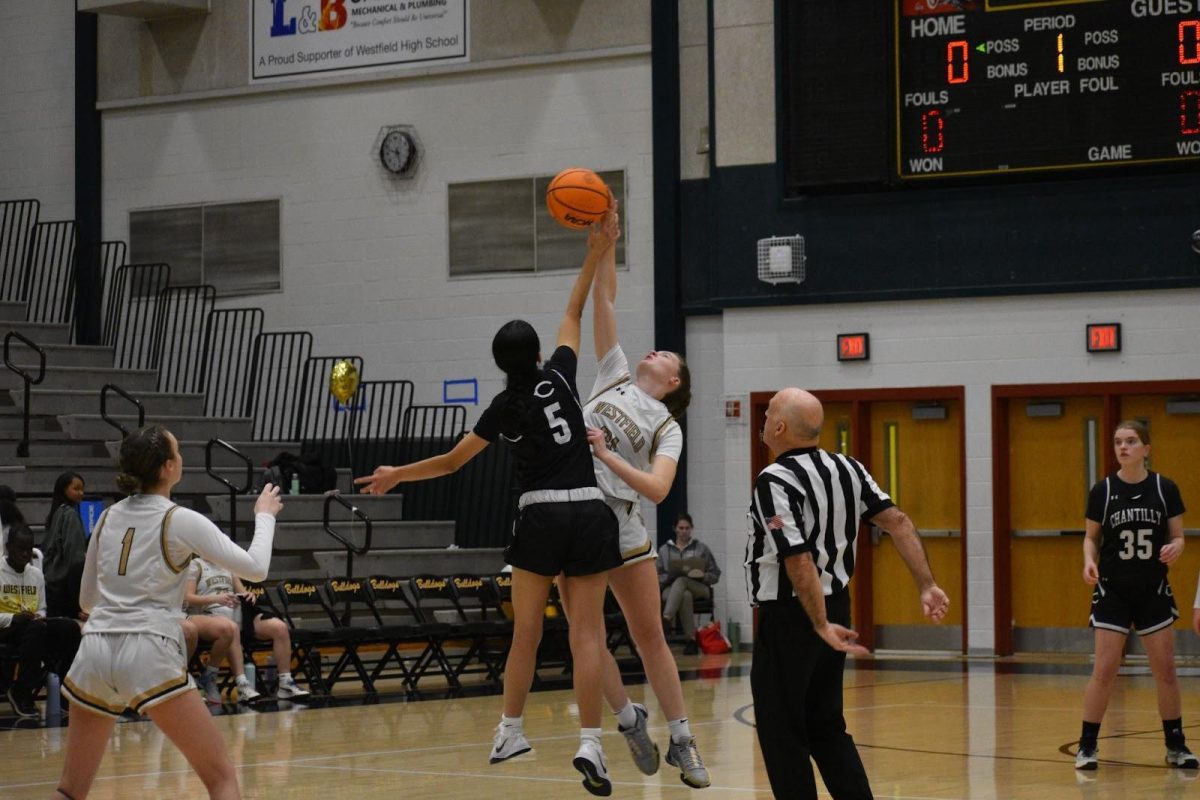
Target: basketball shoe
[[1182, 758], [589, 760], [684, 755], [508, 742], [641, 746], [1087, 757]]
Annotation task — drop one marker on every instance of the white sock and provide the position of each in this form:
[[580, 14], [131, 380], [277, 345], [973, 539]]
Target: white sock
[[680, 729], [590, 734], [242, 680], [285, 677], [513, 722], [627, 716]]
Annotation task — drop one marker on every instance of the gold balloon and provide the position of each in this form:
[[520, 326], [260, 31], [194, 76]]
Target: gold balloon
[[343, 380]]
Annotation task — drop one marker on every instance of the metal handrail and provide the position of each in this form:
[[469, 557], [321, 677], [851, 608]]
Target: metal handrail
[[23, 445], [234, 490], [351, 549], [141, 409]]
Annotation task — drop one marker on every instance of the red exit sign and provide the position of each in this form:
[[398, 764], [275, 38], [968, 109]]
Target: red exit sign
[[1104, 337], [853, 346]]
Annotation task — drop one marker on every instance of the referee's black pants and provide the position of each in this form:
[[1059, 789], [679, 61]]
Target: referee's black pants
[[796, 680]]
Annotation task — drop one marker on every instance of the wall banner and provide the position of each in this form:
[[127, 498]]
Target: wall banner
[[315, 37]]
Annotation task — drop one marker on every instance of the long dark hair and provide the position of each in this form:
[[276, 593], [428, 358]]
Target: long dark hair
[[142, 456], [516, 348], [60, 493]]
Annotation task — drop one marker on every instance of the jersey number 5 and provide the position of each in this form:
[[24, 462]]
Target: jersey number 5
[[558, 425], [1136, 544]]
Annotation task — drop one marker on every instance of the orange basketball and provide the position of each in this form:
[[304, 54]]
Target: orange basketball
[[576, 198]]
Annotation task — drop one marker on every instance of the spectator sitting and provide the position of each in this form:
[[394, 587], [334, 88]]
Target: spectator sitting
[[686, 570], [10, 513], [65, 541], [42, 643], [223, 595], [214, 614]]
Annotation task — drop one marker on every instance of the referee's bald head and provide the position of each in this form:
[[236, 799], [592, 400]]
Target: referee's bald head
[[794, 419]]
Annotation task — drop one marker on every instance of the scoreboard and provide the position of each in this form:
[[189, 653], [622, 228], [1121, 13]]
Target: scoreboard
[[986, 87]]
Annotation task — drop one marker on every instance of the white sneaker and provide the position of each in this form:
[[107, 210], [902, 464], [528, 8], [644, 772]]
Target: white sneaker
[[246, 692], [508, 742], [589, 760], [288, 690], [209, 688]]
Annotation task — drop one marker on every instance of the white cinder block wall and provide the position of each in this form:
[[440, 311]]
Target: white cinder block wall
[[365, 262], [976, 343], [37, 105]]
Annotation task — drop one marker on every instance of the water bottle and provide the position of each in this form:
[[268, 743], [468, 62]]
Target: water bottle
[[251, 673], [53, 697], [735, 634], [295, 487], [271, 678]]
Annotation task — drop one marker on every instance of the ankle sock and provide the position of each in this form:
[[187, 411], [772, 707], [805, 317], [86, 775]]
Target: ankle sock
[[513, 722], [589, 734], [680, 729], [627, 716]]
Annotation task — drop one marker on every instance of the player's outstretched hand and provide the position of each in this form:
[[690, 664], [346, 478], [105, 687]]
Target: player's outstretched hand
[[381, 481], [595, 438], [604, 233], [842, 639], [1171, 551], [1091, 574], [268, 501], [935, 603]]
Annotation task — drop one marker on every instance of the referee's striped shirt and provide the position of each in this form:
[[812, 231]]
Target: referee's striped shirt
[[809, 500]]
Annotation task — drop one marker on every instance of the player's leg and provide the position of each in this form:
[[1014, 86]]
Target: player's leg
[[529, 594], [636, 589], [1110, 648], [1160, 648], [87, 741], [587, 637], [187, 723]]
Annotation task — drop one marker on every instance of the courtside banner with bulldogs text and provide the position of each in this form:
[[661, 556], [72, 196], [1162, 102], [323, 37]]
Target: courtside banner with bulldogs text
[[289, 38]]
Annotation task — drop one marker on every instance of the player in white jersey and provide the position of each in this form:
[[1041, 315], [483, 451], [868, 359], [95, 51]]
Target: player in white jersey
[[132, 654]]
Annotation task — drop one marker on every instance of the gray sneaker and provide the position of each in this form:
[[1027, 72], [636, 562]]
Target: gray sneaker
[[641, 746], [686, 757]]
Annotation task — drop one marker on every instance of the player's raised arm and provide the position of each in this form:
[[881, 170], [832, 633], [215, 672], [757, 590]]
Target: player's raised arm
[[601, 247], [604, 295]]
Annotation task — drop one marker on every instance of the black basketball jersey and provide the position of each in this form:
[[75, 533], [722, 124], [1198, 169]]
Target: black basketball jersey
[[1133, 524], [550, 441]]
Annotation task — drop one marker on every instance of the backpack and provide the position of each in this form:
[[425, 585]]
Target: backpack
[[315, 474]]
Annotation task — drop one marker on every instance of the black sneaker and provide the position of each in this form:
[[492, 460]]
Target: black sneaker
[[22, 703], [1086, 757], [1182, 758]]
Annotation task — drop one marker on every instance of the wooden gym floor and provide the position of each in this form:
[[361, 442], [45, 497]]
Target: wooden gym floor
[[927, 730]]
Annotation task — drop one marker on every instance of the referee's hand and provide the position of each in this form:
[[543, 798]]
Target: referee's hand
[[842, 639]]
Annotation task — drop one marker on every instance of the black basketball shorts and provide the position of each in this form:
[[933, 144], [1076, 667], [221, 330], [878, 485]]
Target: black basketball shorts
[[1144, 605], [575, 538]]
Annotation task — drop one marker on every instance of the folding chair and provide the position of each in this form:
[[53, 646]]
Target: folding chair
[[437, 602], [301, 597], [491, 633], [401, 623], [349, 593]]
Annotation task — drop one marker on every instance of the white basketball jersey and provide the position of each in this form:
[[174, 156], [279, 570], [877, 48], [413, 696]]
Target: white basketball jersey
[[636, 426], [211, 579], [138, 557]]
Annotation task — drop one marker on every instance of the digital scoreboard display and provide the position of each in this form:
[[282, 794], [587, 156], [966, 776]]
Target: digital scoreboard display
[[986, 87]]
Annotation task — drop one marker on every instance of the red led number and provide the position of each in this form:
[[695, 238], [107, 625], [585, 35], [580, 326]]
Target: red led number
[[1103, 337], [1189, 112], [933, 131], [958, 68], [852, 347], [1189, 41]]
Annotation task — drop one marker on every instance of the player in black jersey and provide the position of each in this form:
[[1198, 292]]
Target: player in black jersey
[[1134, 529], [563, 526]]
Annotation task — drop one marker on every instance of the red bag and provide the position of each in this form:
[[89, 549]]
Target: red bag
[[711, 640]]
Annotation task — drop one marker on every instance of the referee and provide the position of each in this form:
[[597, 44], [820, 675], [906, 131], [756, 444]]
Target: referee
[[804, 518]]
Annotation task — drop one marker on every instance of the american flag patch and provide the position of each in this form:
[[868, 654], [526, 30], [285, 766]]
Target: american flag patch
[[775, 523]]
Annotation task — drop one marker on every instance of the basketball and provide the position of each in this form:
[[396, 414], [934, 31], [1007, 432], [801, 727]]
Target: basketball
[[576, 198]]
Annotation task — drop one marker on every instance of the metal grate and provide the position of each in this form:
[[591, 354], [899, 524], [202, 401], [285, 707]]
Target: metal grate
[[379, 421], [179, 330], [50, 273], [131, 314], [17, 221], [276, 371], [429, 431], [229, 337], [109, 258], [781, 259], [321, 420]]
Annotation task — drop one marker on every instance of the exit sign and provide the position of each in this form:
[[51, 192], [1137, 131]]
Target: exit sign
[[853, 346], [1104, 337]]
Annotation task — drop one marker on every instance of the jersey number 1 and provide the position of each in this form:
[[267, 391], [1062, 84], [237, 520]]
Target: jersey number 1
[[126, 545], [1144, 545], [558, 425]]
